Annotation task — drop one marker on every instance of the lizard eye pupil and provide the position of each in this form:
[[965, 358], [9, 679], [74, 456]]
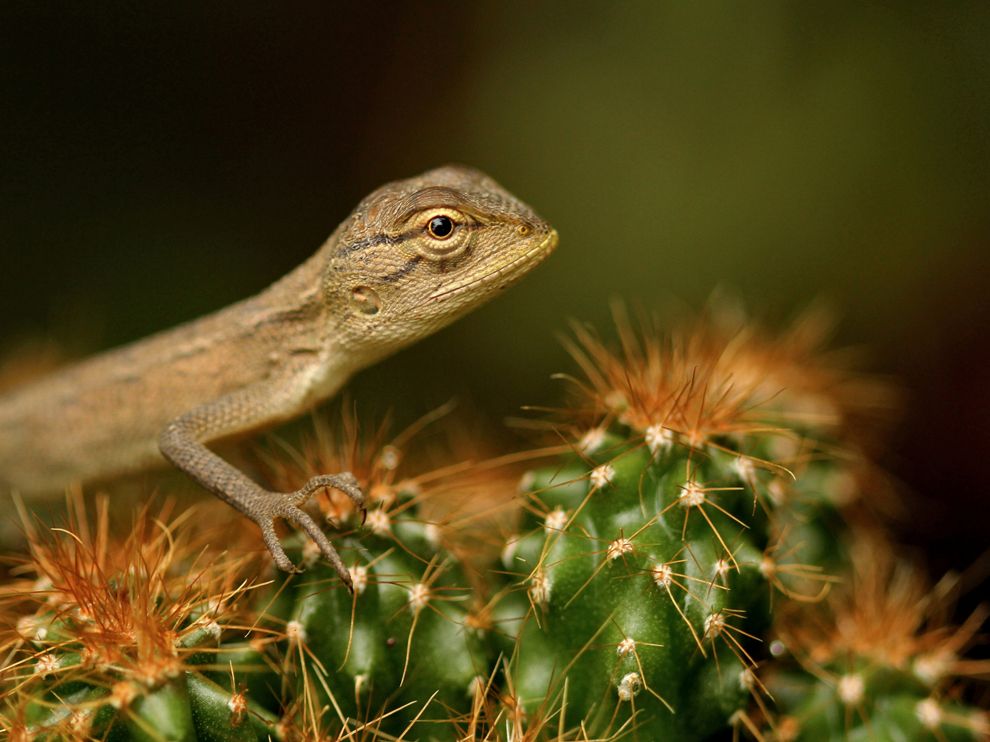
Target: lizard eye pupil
[[440, 227]]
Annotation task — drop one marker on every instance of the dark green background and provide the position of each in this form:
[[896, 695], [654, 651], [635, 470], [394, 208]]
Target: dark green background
[[156, 165]]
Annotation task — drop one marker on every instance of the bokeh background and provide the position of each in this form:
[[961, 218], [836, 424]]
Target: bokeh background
[[158, 162]]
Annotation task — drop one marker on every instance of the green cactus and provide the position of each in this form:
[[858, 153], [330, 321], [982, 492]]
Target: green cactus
[[879, 660], [116, 640], [399, 655], [650, 554], [144, 639], [405, 653], [698, 509], [640, 607]]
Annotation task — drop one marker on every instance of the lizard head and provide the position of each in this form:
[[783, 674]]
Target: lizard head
[[417, 254]]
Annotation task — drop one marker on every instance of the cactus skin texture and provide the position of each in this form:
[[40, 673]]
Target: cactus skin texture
[[156, 654], [633, 603], [696, 498], [150, 636], [115, 639], [878, 660], [398, 656], [672, 575]]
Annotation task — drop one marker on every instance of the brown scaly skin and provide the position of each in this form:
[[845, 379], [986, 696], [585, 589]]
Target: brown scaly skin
[[380, 282]]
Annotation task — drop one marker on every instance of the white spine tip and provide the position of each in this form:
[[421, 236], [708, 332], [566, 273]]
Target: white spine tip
[[419, 596], [658, 439], [602, 476], [629, 686], [618, 548], [555, 520], [929, 713], [851, 689]]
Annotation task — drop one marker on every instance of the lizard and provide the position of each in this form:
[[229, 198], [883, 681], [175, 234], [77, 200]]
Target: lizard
[[412, 257]]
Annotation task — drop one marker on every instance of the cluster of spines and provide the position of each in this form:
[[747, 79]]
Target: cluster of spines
[[692, 473], [120, 637], [406, 652], [880, 658], [696, 502], [151, 636]]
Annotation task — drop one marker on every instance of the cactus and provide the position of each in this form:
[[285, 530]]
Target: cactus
[[154, 637], [115, 639], [399, 655], [404, 654], [650, 554], [879, 660], [697, 508]]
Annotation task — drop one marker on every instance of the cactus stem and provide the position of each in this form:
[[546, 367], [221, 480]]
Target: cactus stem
[[629, 646]]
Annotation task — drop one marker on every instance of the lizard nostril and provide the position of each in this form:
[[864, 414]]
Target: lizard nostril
[[523, 230]]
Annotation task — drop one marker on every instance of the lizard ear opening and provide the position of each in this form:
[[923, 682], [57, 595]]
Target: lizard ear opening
[[366, 300]]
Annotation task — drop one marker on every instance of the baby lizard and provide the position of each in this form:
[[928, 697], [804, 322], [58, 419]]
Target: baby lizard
[[412, 257]]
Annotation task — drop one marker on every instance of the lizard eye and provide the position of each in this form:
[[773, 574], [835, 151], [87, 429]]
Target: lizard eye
[[446, 233], [440, 227]]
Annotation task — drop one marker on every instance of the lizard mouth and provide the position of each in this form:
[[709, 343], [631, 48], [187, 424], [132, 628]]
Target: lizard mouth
[[509, 272]]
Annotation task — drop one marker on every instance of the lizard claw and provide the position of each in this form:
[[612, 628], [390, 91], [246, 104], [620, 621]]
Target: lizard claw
[[296, 516], [344, 482], [286, 506]]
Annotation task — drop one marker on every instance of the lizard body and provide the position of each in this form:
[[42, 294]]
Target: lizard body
[[411, 258]]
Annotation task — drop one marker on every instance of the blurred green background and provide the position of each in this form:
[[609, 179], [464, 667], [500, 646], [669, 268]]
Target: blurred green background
[[156, 164]]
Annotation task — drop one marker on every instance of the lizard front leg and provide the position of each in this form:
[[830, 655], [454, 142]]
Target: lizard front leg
[[181, 442]]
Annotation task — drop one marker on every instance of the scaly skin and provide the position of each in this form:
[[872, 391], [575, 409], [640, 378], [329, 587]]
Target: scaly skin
[[380, 282]]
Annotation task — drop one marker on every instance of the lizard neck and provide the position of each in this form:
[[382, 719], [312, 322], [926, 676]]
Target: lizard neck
[[312, 343]]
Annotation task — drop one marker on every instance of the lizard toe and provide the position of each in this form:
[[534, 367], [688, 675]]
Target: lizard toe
[[282, 560], [304, 521], [345, 483]]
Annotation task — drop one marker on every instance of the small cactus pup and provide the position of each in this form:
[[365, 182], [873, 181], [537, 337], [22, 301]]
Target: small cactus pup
[[650, 555], [404, 654], [116, 638], [879, 660]]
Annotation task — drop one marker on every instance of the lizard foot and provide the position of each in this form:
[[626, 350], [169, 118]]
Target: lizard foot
[[278, 505]]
